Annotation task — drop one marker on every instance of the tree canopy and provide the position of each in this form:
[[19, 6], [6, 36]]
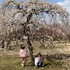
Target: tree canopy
[[14, 13]]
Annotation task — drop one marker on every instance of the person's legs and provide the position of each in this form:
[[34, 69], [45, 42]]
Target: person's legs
[[24, 61], [39, 64]]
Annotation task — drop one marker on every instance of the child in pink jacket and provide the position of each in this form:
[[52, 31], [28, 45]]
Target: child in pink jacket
[[23, 55]]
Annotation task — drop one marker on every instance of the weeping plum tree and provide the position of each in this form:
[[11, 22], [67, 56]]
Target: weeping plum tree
[[28, 17]]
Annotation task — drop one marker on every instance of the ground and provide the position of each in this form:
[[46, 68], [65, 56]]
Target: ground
[[10, 60]]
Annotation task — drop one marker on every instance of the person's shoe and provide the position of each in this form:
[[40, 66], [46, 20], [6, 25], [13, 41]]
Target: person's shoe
[[22, 64]]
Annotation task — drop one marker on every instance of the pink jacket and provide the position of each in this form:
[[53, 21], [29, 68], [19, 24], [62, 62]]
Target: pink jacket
[[23, 53]]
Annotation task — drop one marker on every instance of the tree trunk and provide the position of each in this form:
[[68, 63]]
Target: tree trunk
[[30, 50]]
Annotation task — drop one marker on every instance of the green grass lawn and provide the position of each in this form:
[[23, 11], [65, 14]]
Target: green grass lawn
[[10, 60], [14, 63]]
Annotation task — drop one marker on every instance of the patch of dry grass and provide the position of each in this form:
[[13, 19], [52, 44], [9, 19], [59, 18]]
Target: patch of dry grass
[[9, 62]]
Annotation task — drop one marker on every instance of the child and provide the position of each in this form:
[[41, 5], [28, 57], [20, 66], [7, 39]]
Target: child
[[23, 55], [38, 60]]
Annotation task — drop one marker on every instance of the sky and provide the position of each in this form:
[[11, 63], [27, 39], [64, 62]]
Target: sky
[[64, 3], [54, 1], [1, 0]]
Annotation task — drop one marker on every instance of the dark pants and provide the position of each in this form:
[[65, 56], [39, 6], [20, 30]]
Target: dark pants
[[40, 64]]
